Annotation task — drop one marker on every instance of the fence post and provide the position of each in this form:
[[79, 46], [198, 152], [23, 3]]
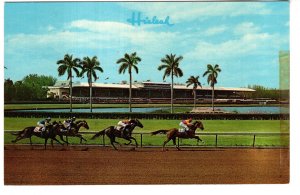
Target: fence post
[[253, 140], [216, 140], [103, 140], [141, 140]]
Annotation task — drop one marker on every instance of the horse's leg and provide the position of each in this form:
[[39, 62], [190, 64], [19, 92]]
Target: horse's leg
[[54, 138], [130, 138], [52, 143], [112, 143], [198, 139], [18, 139], [62, 139], [30, 142], [81, 138], [165, 142], [46, 139], [174, 142], [136, 144], [67, 139]]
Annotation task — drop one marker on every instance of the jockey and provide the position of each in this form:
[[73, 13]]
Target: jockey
[[185, 124], [122, 125], [69, 122], [43, 123]]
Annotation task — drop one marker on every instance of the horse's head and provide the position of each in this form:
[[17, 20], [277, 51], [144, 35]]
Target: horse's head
[[198, 124], [83, 124], [136, 122]]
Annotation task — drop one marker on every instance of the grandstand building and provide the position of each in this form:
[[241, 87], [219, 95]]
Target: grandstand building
[[144, 92]]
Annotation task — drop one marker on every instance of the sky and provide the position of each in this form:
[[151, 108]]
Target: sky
[[243, 38]]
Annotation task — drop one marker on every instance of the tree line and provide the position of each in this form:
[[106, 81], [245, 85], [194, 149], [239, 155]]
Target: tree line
[[32, 87], [265, 92]]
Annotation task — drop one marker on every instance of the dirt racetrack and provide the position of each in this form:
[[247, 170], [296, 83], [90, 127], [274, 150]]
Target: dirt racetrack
[[98, 165]]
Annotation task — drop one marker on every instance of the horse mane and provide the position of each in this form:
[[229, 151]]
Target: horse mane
[[79, 121], [194, 122], [132, 120]]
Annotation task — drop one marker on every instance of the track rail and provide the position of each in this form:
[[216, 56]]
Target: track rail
[[216, 135]]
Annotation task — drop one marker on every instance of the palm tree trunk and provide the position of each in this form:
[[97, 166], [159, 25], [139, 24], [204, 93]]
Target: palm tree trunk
[[212, 98], [130, 86], [70, 92], [90, 83], [194, 99], [172, 93]]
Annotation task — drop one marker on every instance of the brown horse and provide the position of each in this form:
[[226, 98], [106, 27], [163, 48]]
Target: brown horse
[[49, 133], [112, 133], [73, 132], [173, 133]]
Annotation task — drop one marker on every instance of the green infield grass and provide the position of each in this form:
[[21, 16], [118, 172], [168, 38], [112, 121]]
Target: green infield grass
[[211, 126]]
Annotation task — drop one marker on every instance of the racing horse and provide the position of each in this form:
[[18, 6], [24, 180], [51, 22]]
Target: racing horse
[[173, 133], [112, 133], [50, 132], [73, 132]]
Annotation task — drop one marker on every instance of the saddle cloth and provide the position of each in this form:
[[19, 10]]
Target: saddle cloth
[[37, 129], [181, 130], [117, 128]]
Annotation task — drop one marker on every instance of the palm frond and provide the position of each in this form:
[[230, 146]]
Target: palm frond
[[205, 73], [123, 68], [76, 71], [62, 69], [122, 60], [136, 69], [98, 68], [178, 72], [166, 73], [163, 66]]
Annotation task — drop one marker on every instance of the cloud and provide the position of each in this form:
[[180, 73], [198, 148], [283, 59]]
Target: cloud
[[248, 40], [247, 45], [50, 28], [108, 40], [215, 30], [92, 35], [246, 28]]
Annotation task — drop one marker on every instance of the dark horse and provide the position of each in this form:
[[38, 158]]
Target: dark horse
[[49, 133], [112, 133], [173, 133], [73, 132]]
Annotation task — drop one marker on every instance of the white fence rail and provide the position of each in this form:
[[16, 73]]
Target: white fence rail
[[216, 136]]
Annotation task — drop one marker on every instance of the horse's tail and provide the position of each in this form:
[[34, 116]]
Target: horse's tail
[[20, 132], [100, 133], [17, 133], [159, 132]]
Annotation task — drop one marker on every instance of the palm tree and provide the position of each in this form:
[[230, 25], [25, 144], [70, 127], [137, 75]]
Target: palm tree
[[90, 66], [195, 82], [68, 65], [171, 65], [212, 73], [129, 62]]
